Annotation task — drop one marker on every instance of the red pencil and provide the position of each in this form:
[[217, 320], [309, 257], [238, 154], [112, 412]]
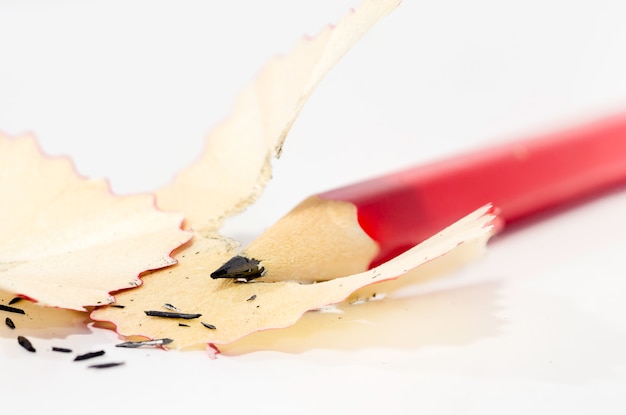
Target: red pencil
[[355, 227]]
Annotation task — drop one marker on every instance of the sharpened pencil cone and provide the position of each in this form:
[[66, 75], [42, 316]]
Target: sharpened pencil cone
[[240, 268]]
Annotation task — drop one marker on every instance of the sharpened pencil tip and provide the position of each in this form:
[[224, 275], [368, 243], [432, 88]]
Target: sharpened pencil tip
[[239, 268]]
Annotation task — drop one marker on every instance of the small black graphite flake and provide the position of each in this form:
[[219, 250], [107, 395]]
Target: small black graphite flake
[[9, 323], [11, 309], [154, 342], [89, 355], [117, 306], [61, 350], [15, 300], [208, 326], [171, 307], [171, 314], [25, 343], [252, 298], [106, 365], [183, 325]]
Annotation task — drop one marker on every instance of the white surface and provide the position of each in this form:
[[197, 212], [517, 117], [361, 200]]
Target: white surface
[[129, 89]]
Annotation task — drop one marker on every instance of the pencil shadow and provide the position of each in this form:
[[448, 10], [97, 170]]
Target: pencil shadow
[[41, 322]]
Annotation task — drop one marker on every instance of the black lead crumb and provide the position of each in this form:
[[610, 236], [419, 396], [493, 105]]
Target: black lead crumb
[[26, 344], [183, 325], [171, 314], [154, 342], [106, 365], [118, 305], [61, 349], [15, 300], [9, 323], [208, 326], [89, 355], [11, 309], [252, 298]]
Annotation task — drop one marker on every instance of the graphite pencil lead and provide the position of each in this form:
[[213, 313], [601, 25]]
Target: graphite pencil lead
[[89, 355], [240, 268], [171, 314], [11, 309], [26, 344]]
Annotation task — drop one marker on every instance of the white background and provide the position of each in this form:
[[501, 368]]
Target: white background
[[129, 90]]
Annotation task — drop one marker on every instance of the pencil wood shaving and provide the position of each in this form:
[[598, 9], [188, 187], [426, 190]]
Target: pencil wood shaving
[[235, 166], [230, 175], [36, 318], [276, 305], [67, 241]]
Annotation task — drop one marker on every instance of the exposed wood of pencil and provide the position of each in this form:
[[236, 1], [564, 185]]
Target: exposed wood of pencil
[[349, 229], [321, 237]]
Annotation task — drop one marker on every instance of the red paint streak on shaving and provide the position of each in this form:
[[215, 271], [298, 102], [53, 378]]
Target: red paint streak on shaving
[[212, 351]]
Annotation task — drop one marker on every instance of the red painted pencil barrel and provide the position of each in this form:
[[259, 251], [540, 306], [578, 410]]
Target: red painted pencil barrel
[[520, 178]]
